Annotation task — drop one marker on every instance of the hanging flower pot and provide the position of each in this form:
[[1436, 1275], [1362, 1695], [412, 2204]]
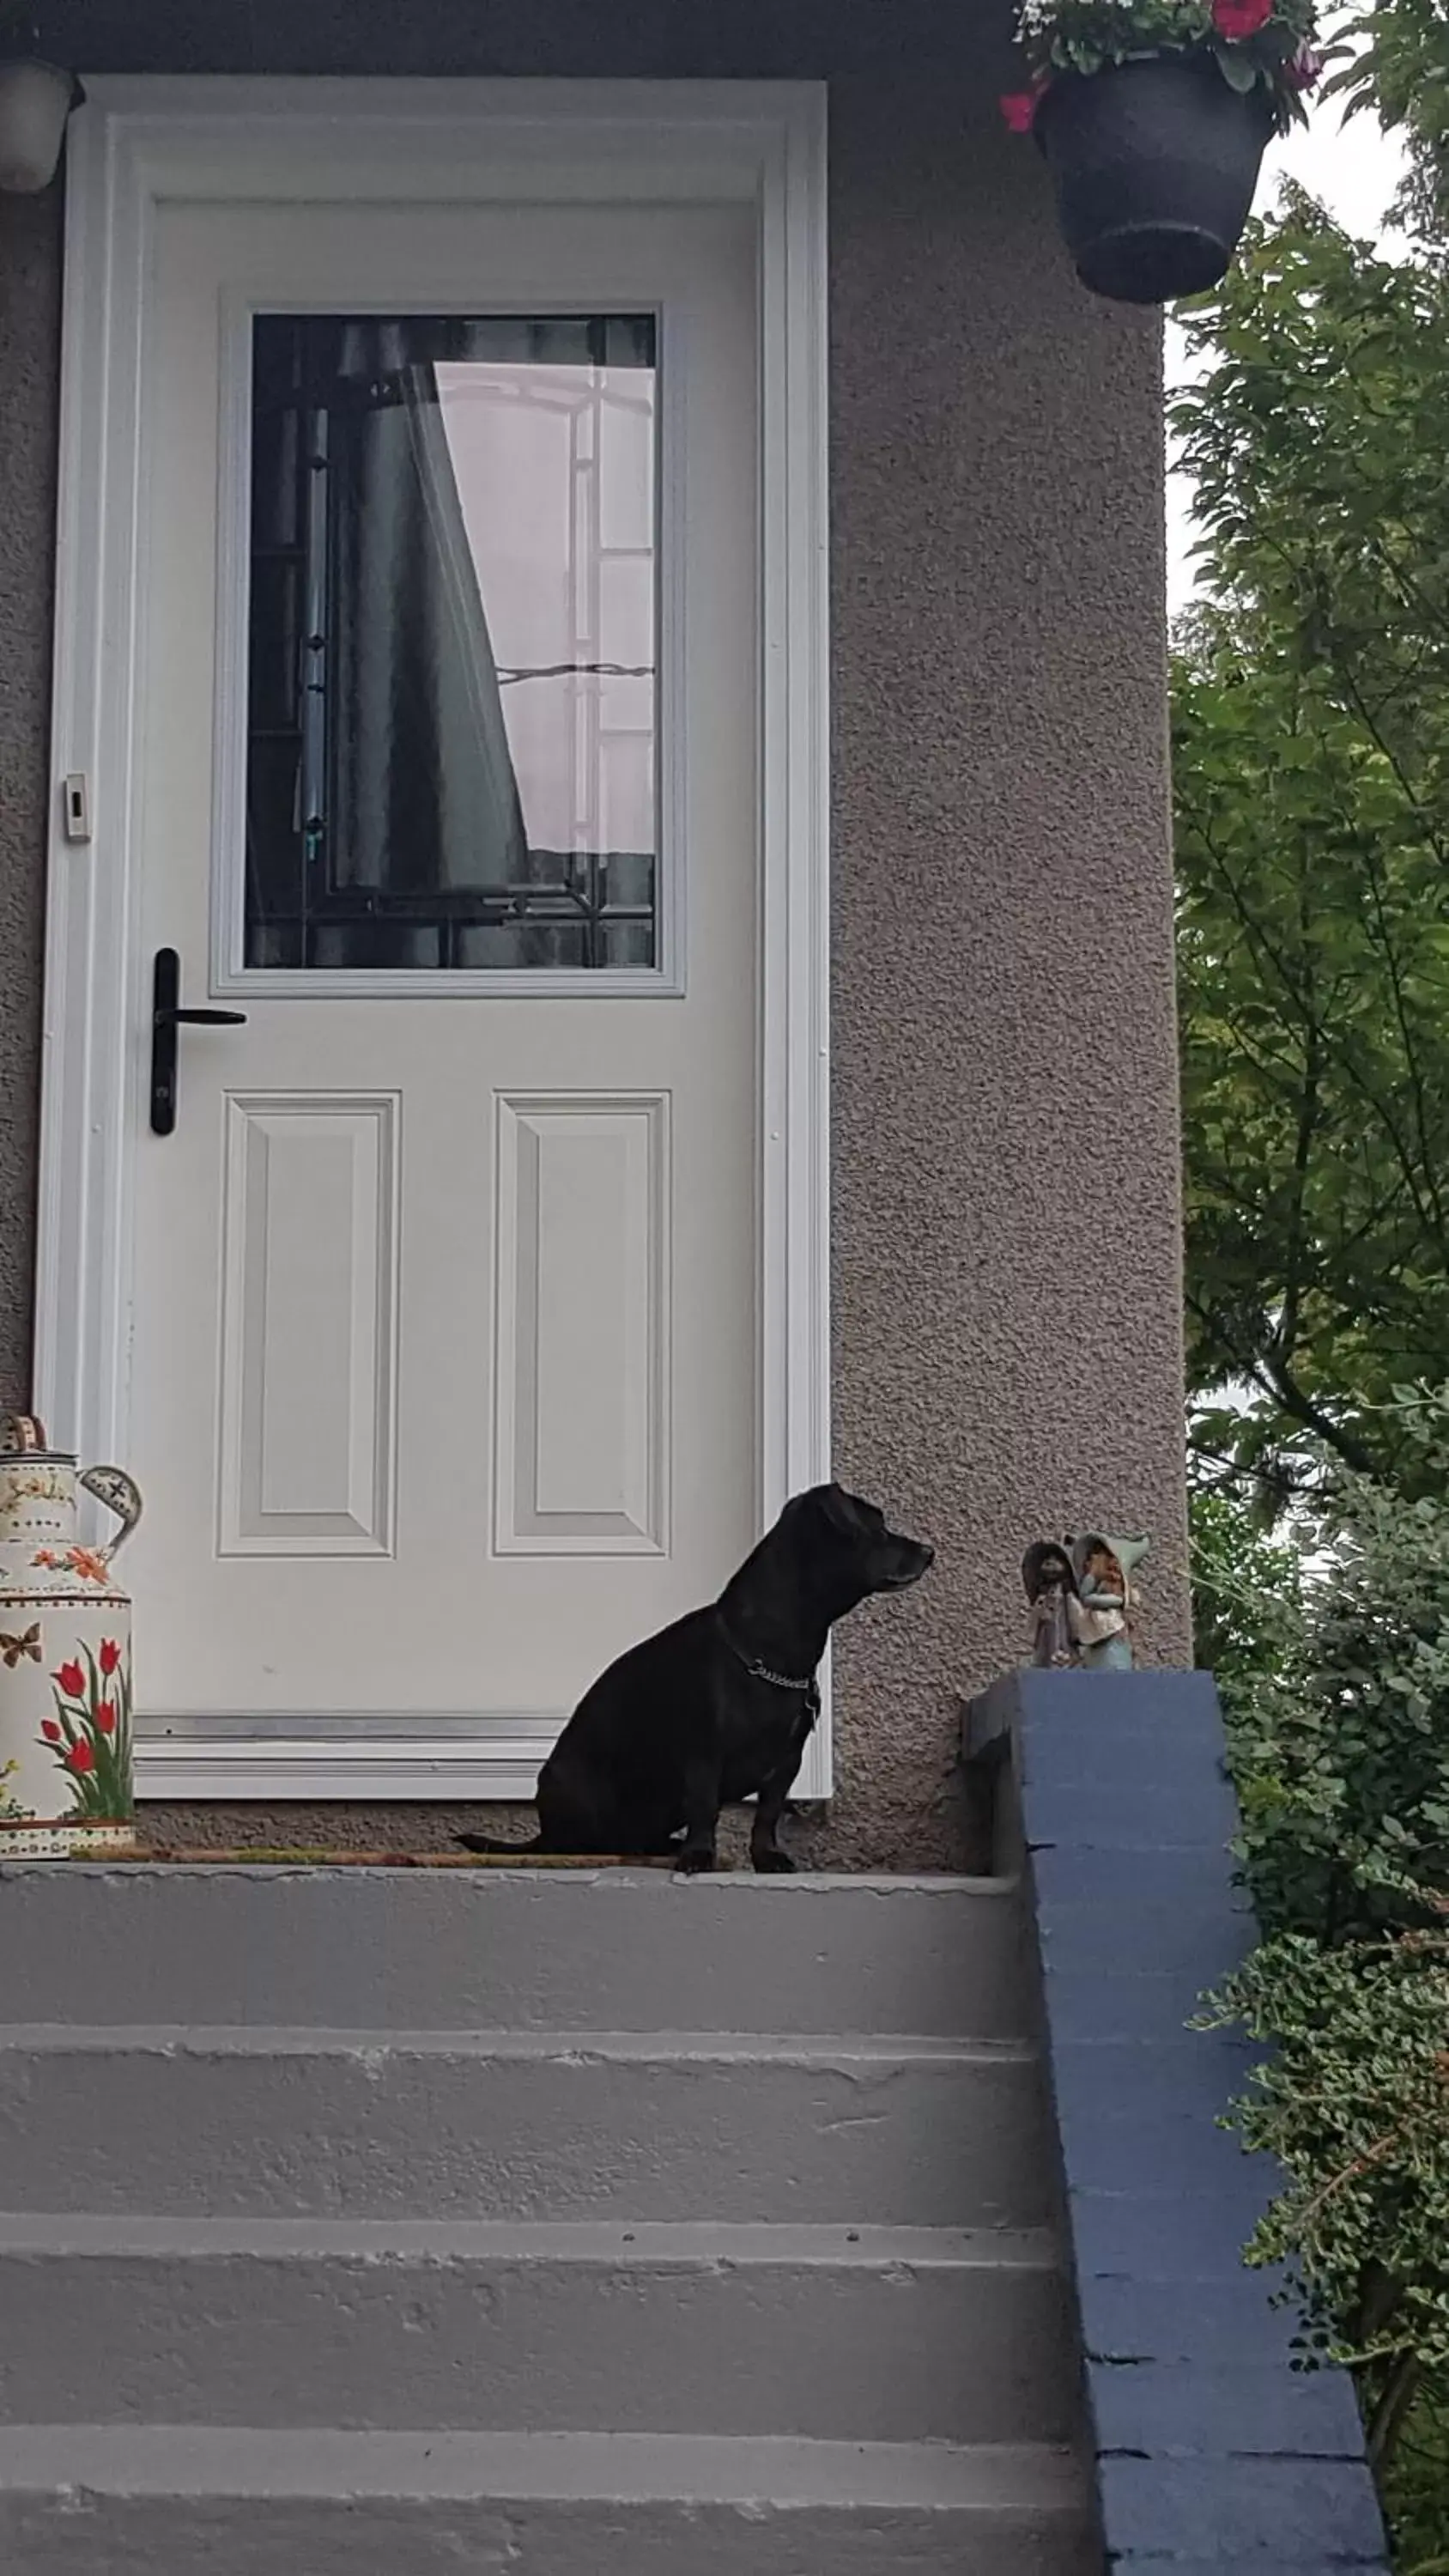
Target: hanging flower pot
[[1154, 166], [1153, 116]]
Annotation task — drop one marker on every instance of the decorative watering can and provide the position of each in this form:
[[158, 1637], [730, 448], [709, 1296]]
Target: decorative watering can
[[65, 1656]]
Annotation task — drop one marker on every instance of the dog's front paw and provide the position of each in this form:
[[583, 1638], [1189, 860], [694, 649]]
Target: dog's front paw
[[693, 1864], [773, 1864]]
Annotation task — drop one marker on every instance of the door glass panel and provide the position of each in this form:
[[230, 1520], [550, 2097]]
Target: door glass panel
[[452, 735]]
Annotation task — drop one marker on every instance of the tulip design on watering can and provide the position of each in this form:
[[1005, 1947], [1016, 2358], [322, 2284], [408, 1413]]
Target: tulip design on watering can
[[66, 1781]]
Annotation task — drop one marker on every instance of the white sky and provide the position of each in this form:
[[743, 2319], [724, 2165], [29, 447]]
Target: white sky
[[1353, 168]]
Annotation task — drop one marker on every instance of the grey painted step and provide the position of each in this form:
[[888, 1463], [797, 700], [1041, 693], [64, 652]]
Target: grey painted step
[[489, 1950], [925, 2132], [94, 2501], [868, 2334]]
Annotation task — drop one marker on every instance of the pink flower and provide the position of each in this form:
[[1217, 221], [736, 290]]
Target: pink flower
[[1305, 68], [1020, 109], [1236, 19], [72, 1680]]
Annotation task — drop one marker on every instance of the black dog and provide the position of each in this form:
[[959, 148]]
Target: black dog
[[718, 1707]]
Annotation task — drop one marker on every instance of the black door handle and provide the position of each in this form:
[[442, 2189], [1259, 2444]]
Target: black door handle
[[167, 1017]]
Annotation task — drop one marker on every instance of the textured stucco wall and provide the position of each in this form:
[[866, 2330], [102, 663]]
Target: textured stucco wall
[[1006, 1240], [1006, 1258], [29, 354]]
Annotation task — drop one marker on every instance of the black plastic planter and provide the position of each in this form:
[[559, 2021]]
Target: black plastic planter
[[1154, 164]]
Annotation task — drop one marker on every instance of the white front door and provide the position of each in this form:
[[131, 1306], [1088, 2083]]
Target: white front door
[[446, 1343], [443, 1376]]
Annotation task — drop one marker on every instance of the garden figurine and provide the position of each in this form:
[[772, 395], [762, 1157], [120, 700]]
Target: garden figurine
[[1051, 1588], [1101, 1613]]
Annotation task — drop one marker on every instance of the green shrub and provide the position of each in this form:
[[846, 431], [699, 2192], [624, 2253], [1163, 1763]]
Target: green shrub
[[1354, 2104], [1334, 1675], [1338, 1721], [1416, 2488]]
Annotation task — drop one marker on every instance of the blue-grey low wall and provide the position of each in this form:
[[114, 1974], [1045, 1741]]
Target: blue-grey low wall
[[1212, 2451]]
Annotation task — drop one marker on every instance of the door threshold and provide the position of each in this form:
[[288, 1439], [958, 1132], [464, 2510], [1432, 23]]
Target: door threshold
[[331, 1856]]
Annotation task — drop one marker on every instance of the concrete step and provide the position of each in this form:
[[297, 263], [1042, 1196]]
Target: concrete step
[[512, 1949], [262, 2122], [866, 2334], [93, 2500]]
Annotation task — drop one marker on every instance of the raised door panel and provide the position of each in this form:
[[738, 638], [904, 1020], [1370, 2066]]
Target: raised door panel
[[582, 1359], [308, 1311]]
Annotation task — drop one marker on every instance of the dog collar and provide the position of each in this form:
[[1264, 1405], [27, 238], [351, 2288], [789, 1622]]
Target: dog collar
[[762, 1672]]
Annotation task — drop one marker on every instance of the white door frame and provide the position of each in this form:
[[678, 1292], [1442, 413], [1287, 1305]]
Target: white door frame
[[136, 142]]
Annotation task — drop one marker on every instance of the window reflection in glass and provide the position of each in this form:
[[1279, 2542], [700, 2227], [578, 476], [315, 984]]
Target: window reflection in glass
[[453, 755]]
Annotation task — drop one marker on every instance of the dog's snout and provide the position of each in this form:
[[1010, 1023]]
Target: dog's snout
[[928, 1554]]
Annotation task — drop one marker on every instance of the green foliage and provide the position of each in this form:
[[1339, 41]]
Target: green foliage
[[1339, 1725], [1086, 36], [1397, 67], [1245, 1591], [1311, 765], [1354, 2104], [1416, 2488], [1311, 714], [1335, 1683]]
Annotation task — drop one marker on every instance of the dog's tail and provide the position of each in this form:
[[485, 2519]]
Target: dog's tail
[[500, 1849]]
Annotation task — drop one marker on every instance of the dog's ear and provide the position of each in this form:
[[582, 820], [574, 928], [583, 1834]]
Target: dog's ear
[[840, 1510]]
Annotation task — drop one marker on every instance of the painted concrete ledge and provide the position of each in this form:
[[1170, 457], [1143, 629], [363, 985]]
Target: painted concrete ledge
[[1211, 2450]]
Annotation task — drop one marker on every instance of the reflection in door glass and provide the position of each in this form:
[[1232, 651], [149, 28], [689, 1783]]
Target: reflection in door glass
[[452, 729]]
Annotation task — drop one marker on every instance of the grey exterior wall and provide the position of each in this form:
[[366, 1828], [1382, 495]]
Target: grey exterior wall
[[29, 357], [1006, 1249]]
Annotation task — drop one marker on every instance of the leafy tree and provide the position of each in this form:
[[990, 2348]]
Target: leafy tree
[[1397, 67], [1338, 1717], [1311, 765], [1312, 729], [1246, 1591]]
